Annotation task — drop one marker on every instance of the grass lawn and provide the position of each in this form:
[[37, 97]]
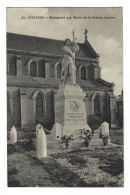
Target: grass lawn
[[93, 167]]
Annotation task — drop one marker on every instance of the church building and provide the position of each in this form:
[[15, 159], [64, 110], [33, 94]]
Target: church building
[[33, 74]]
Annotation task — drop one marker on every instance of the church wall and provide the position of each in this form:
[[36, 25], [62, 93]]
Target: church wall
[[24, 61], [78, 67], [23, 69], [24, 115], [96, 72], [50, 112], [113, 111], [120, 113], [95, 120], [23, 105], [15, 117], [52, 67], [8, 61], [99, 72], [28, 108]]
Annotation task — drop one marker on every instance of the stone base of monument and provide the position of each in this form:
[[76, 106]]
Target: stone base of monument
[[70, 111]]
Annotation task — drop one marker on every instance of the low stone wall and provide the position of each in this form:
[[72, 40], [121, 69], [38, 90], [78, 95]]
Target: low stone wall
[[117, 136]]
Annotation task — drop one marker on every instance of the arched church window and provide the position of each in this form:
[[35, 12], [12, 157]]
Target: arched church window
[[41, 69], [8, 104], [59, 71], [33, 69], [39, 103], [91, 72], [83, 73], [97, 105], [39, 108], [12, 69]]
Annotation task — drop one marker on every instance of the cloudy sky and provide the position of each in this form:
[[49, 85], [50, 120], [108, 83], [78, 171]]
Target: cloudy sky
[[105, 35]]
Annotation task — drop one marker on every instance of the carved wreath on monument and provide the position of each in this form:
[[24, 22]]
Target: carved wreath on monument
[[74, 106]]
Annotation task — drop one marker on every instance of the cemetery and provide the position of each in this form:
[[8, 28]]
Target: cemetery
[[48, 160]]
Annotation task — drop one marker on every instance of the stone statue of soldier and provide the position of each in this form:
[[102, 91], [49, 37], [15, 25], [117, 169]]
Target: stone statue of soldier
[[68, 73]]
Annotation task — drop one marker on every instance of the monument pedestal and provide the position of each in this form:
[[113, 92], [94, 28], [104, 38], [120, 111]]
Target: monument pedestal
[[70, 111]]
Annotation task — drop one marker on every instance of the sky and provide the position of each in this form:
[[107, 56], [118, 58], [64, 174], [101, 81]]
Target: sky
[[105, 32]]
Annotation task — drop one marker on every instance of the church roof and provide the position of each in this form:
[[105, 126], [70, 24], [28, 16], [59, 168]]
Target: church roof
[[103, 82], [45, 45]]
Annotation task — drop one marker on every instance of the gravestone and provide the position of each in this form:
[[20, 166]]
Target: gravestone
[[13, 135], [105, 128], [41, 150], [70, 111], [37, 128], [56, 131]]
